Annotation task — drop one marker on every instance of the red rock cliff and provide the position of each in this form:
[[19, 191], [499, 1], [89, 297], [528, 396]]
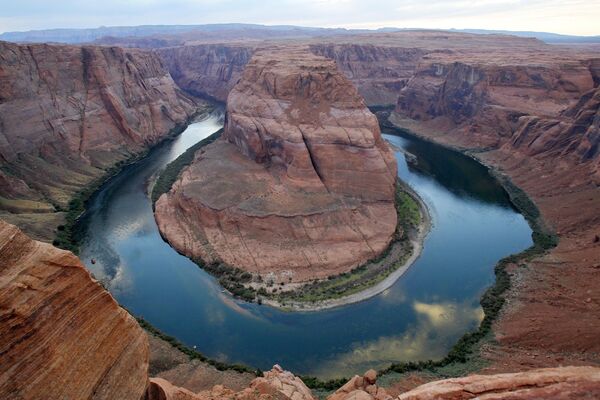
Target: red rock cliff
[[530, 113], [207, 70], [62, 335], [69, 113], [300, 185]]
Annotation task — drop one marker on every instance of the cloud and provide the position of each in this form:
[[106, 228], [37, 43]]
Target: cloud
[[566, 16]]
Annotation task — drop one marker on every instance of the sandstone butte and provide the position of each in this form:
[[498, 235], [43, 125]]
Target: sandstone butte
[[300, 186], [67, 115]]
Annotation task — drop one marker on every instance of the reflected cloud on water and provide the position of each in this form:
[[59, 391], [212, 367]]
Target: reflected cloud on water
[[438, 326]]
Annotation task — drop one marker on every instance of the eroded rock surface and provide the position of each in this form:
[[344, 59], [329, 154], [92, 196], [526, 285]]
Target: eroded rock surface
[[551, 383], [301, 185], [69, 113], [276, 384], [361, 388], [209, 70], [62, 335]]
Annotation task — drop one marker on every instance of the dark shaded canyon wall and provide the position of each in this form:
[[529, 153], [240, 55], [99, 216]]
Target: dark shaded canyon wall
[[378, 72], [211, 70], [69, 113], [207, 70]]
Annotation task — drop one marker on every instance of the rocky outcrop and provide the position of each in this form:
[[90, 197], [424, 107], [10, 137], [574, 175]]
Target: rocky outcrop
[[276, 384], [207, 70], [551, 383], [361, 388], [301, 185], [62, 335], [67, 114]]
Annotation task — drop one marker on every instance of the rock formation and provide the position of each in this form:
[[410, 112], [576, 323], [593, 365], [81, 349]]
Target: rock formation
[[276, 384], [67, 114], [300, 185], [62, 335], [361, 388], [551, 383], [531, 114], [207, 70], [378, 72]]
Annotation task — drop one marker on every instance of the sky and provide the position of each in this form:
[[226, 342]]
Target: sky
[[575, 17]]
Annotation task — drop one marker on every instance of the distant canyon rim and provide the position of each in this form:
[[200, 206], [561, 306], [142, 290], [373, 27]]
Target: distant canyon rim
[[528, 110]]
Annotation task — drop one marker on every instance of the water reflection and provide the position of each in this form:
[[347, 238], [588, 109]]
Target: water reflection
[[420, 317], [460, 174], [436, 328]]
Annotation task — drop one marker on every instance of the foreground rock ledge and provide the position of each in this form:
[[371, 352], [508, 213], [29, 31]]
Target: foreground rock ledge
[[62, 336], [300, 186]]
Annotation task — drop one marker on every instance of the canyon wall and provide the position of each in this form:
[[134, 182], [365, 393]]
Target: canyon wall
[[62, 335], [212, 69], [67, 114], [301, 185], [533, 116], [499, 102], [207, 70], [378, 72]]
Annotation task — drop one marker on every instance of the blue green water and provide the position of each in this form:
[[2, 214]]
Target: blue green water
[[420, 317]]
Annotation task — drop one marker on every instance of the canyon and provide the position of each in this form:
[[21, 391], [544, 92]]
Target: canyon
[[527, 110], [68, 115], [300, 186], [48, 349]]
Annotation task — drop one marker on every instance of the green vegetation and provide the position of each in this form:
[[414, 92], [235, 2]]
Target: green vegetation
[[375, 270], [66, 235], [170, 174], [193, 354], [409, 213], [463, 355], [232, 279], [464, 351], [238, 282]]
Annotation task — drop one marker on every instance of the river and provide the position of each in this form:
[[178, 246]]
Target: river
[[420, 317]]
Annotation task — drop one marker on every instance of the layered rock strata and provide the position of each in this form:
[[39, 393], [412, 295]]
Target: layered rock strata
[[550, 383], [207, 70], [301, 185], [62, 335], [536, 124], [67, 114]]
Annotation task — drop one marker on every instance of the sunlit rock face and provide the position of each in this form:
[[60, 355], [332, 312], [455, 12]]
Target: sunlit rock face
[[301, 185], [62, 335], [69, 113]]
